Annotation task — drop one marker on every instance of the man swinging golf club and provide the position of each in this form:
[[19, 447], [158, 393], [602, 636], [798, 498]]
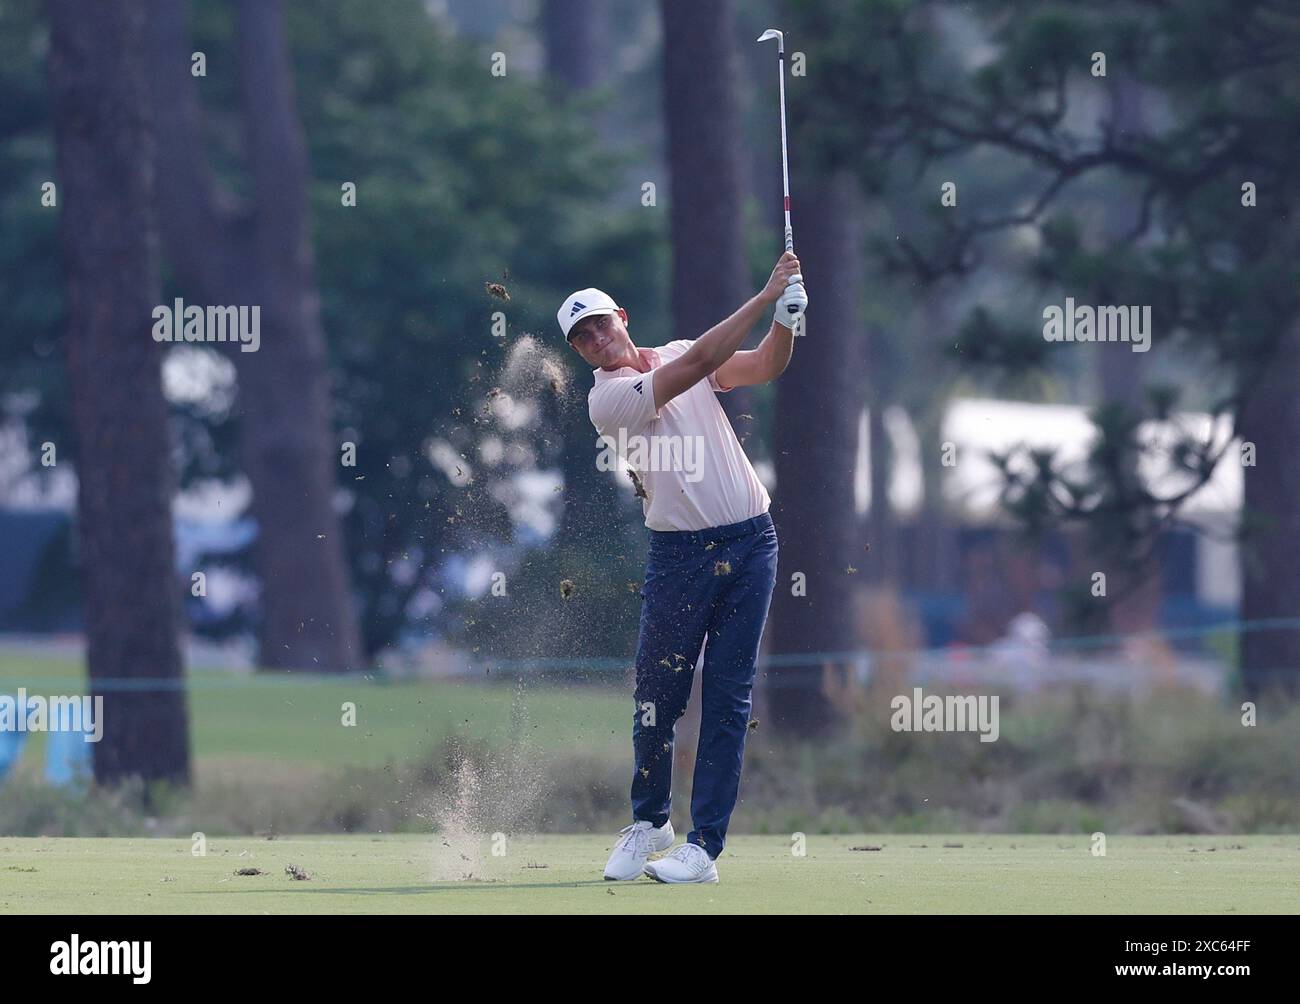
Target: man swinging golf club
[[712, 561]]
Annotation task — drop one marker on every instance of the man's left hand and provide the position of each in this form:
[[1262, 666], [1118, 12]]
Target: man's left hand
[[793, 302]]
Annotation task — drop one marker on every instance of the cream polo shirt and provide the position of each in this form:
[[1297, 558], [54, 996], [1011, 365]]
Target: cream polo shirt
[[695, 473]]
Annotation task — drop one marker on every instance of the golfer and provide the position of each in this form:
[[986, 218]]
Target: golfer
[[712, 562]]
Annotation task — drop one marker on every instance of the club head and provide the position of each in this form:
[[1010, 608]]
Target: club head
[[773, 33]]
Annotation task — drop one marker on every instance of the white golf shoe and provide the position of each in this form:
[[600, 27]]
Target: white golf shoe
[[689, 863], [635, 845]]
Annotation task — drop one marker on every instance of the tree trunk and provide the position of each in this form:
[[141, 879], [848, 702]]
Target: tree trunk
[[818, 402], [109, 241], [261, 255], [881, 390], [1270, 657], [1120, 373], [572, 38], [881, 524], [936, 555], [573, 34], [706, 209]]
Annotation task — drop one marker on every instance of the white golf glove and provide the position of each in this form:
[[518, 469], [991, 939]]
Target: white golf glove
[[793, 302]]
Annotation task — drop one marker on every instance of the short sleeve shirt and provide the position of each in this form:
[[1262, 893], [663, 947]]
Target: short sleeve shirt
[[686, 454]]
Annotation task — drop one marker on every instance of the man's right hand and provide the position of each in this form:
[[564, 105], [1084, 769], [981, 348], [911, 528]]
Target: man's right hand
[[786, 269]]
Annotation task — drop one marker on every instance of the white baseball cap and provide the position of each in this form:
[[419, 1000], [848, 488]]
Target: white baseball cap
[[584, 303]]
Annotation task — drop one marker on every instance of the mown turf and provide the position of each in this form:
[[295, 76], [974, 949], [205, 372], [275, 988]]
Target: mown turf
[[295, 719], [561, 874]]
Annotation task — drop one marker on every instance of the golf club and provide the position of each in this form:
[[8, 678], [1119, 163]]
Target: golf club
[[785, 163]]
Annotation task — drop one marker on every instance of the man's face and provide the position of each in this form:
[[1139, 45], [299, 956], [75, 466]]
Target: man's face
[[602, 339]]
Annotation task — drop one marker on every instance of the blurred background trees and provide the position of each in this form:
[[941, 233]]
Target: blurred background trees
[[1161, 183], [258, 250]]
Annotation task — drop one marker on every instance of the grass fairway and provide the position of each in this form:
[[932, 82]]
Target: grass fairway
[[293, 719], [561, 874]]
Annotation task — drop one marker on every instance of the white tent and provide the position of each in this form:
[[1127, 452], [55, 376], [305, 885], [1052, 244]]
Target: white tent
[[977, 427]]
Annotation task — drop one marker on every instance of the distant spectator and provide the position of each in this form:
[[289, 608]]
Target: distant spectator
[[1024, 650]]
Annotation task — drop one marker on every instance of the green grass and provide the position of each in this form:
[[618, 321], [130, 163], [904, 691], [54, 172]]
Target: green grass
[[296, 719], [561, 874], [271, 756]]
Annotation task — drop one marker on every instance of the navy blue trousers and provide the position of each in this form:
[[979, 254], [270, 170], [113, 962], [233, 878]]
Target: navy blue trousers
[[715, 583]]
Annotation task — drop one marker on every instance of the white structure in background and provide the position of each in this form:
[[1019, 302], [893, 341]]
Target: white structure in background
[[1025, 659], [979, 426]]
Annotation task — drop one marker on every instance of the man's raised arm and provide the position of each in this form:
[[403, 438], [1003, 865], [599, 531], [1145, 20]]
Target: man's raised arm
[[720, 342]]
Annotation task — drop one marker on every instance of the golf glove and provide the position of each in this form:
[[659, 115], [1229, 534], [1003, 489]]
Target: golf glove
[[793, 302]]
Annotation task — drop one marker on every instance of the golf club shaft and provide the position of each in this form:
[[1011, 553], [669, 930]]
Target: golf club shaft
[[785, 166], [793, 307]]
